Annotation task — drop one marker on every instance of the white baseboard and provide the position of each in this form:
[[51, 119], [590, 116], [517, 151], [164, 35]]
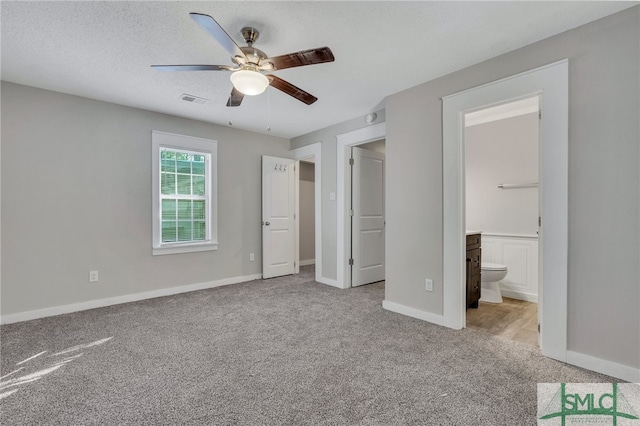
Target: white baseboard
[[619, 371], [519, 295], [329, 281], [100, 303], [307, 262], [415, 313]]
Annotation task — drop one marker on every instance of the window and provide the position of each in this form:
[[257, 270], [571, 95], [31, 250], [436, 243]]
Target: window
[[184, 194]]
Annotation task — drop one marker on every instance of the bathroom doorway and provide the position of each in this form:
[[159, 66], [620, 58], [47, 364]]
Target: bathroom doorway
[[551, 83], [502, 209]]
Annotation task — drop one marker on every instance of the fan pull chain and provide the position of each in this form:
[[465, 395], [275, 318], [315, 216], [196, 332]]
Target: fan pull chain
[[228, 110], [268, 109]]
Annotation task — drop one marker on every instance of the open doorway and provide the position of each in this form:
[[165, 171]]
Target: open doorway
[[366, 194], [312, 154], [501, 145], [550, 82], [344, 145], [306, 214]]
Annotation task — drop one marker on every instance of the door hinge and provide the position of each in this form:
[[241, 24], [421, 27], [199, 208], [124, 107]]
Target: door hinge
[[351, 212], [539, 220], [351, 161], [540, 114], [350, 262], [294, 264]]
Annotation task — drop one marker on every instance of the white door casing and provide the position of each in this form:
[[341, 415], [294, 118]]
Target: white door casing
[[343, 189], [315, 151], [551, 83], [367, 220], [278, 217]]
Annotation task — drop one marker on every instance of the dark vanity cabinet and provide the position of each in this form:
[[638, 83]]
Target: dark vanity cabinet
[[474, 262]]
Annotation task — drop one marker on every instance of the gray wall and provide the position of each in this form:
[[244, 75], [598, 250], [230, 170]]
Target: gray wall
[[604, 184], [502, 151], [329, 175], [76, 196], [307, 211]]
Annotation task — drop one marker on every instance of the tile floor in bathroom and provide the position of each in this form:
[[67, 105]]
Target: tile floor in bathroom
[[514, 319]]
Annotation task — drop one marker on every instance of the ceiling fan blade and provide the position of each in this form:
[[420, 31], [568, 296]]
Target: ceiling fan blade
[[304, 57], [235, 99], [210, 25], [291, 90], [190, 67]]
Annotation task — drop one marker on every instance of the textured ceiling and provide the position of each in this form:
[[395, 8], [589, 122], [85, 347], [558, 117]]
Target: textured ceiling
[[103, 50]]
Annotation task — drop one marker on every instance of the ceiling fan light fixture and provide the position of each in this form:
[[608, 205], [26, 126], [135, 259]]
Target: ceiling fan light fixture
[[250, 63], [249, 82]]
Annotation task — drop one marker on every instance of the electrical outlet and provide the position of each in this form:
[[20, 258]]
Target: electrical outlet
[[428, 284], [252, 257], [93, 276]]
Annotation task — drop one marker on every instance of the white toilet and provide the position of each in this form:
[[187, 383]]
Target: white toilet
[[490, 275]]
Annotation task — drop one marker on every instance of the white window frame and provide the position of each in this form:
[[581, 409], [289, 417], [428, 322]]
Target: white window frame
[[209, 147]]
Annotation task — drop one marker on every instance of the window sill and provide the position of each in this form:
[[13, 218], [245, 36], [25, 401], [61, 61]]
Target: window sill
[[186, 248]]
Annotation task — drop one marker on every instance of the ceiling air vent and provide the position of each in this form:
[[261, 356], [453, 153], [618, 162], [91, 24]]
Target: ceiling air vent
[[193, 99]]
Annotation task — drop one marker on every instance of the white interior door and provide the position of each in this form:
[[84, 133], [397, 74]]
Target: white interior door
[[278, 217], [367, 220]]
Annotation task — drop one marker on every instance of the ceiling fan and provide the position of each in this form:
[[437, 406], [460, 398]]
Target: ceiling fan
[[250, 64]]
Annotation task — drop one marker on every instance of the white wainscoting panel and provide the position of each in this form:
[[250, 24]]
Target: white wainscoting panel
[[520, 254]]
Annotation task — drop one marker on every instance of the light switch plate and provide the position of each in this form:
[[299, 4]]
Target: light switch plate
[[428, 284]]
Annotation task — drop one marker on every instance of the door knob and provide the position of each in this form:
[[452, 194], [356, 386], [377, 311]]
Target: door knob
[[267, 223]]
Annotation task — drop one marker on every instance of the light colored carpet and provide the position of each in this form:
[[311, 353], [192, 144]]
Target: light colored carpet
[[281, 351]]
